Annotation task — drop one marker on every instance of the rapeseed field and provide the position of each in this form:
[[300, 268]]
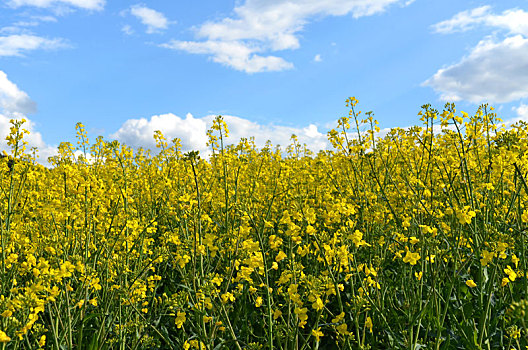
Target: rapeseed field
[[413, 240]]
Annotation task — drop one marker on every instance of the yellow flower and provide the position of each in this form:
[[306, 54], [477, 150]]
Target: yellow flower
[[465, 215], [217, 280], [258, 302], [7, 313], [342, 329], [368, 323], [505, 281], [317, 333], [471, 283], [4, 338], [511, 274], [514, 332], [357, 238], [280, 256], [411, 258], [338, 318], [180, 319], [524, 216], [227, 297], [318, 304], [302, 315], [42, 340], [487, 257], [418, 275], [276, 314], [515, 260]]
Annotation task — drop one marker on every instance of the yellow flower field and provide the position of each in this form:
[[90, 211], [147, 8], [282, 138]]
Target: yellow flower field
[[413, 240]]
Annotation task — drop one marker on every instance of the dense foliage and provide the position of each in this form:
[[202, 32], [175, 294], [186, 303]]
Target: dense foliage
[[414, 240]]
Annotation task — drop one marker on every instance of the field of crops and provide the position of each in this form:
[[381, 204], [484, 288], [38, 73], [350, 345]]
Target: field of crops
[[411, 241]]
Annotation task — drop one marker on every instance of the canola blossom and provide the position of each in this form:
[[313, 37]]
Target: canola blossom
[[414, 239]]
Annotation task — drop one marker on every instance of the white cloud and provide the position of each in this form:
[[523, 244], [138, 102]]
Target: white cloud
[[34, 139], [83, 4], [15, 45], [462, 21], [139, 132], [22, 27], [45, 18], [154, 20], [12, 99], [277, 134], [262, 26], [15, 104], [12, 30], [522, 114], [192, 132], [318, 58], [495, 72], [127, 29], [233, 54], [514, 21]]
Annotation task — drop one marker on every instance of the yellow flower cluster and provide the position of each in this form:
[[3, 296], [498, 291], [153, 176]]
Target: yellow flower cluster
[[373, 243]]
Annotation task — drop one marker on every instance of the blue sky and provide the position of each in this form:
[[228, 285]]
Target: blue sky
[[273, 68]]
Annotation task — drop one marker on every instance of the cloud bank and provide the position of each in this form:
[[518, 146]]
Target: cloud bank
[[192, 132]]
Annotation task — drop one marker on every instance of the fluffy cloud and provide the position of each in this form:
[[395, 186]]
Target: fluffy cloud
[[495, 72], [522, 114], [83, 4], [139, 132], [192, 132], [14, 104], [12, 99], [261, 26], [34, 139], [154, 20], [15, 45]]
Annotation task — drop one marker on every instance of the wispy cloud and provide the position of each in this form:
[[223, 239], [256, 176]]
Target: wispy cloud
[[514, 21], [16, 45], [127, 29], [83, 4], [154, 20]]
